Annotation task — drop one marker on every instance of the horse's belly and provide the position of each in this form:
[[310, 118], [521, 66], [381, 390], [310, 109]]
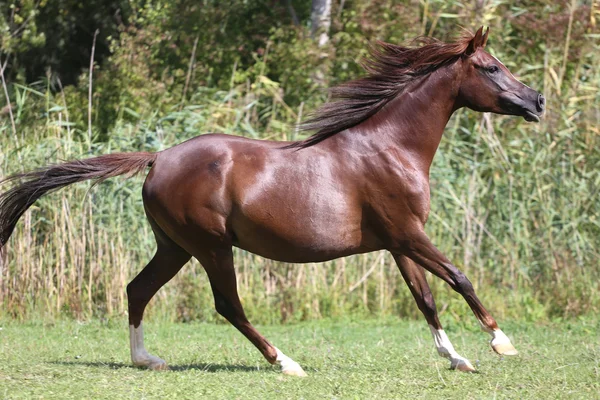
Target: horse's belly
[[301, 238], [299, 207]]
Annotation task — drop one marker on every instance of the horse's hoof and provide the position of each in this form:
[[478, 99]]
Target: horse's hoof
[[159, 366], [288, 366], [300, 373], [295, 371], [462, 365], [501, 344], [505, 349], [151, 362]]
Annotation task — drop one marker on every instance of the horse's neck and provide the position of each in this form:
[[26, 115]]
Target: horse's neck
[[414, 122]]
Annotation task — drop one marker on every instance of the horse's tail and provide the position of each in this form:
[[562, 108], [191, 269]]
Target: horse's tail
[[34, 184]]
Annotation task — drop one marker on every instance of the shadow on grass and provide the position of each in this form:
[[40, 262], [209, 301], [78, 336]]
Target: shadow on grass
[[182, 367]]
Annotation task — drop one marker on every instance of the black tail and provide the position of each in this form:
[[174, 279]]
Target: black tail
[[35, 184]]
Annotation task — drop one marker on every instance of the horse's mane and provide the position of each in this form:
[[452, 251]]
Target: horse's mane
[[389, 69]]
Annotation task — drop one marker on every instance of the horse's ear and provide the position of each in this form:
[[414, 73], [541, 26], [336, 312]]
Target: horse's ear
[[476, 42], [485, 37]]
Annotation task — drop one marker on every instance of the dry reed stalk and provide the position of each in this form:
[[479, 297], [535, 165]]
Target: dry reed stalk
[[191, 66], [367, 273], [8, 104], [90, 86], [563, 67]]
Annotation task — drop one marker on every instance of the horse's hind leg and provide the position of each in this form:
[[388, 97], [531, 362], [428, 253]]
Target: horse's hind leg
[[417, 283], [167, 261], [221, 273]]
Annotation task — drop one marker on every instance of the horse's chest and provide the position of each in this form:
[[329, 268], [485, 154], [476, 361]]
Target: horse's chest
[[397, 203]]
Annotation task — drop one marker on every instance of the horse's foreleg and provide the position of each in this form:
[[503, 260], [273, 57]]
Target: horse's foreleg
[[221, 273], [424, 253], [166, 263], [417, 283]]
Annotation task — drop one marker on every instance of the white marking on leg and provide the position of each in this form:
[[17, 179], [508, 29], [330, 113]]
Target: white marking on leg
[[288, 366], [500, 342], [139, 355], [498, 337], [446, 350]]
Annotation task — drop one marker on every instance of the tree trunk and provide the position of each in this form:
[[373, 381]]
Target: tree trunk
[[321, 20], [292, 11]]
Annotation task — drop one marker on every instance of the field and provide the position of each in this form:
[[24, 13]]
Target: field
[[382, 358], [514, 205]]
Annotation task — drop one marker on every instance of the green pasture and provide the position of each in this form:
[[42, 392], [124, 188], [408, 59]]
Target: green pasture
[[345, 359]]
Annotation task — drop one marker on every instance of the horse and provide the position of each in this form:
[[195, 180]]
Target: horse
[[359, 184]]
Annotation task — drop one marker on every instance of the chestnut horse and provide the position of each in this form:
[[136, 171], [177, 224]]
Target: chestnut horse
[[359, 184]]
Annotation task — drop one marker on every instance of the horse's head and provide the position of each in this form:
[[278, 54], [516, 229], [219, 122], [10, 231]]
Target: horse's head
[[488, 86]]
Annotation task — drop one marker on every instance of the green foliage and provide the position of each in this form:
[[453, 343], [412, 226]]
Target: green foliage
[[514, 205], [54, 37], [18, 28]]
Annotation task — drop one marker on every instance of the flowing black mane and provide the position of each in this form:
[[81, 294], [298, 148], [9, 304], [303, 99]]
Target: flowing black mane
[[390, 68]]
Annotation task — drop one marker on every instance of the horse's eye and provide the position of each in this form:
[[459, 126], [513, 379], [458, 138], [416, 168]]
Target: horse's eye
[[493, 69]]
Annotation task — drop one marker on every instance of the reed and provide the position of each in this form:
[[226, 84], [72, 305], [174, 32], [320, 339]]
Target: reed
[[514, 205]]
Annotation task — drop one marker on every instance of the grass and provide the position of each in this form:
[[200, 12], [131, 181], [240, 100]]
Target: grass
[[383, 358]]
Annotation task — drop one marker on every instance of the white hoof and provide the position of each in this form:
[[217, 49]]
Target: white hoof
[[295, 370], [501, 344], [289, 366], [151, 362], [461, 364], [505, 349]]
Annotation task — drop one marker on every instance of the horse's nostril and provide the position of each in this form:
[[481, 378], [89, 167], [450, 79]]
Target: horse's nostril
[[541, 103]]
